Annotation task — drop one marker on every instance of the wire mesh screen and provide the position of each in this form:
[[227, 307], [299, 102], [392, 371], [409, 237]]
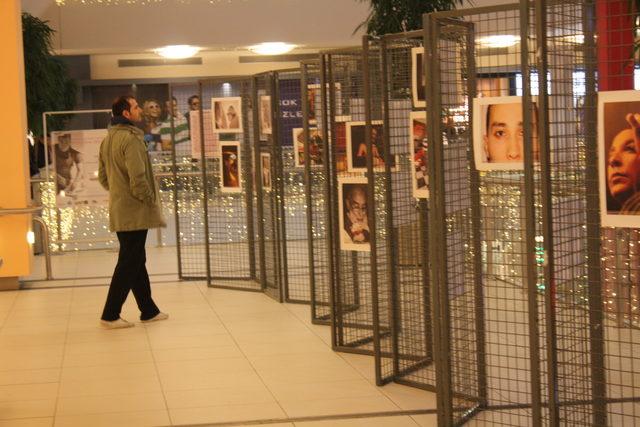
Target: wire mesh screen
[[615, 23], [268, 194], [349, 210], [314, 125], [182, 144], [596, 360], [226, 140], [295, 245], [406, 356]]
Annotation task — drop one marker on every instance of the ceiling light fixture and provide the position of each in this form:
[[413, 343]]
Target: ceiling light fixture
[[499, 41], [178, 51], [272, 48]]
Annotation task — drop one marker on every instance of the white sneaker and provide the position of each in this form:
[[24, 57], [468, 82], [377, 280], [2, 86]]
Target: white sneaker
[[116, 324], [159, 316]]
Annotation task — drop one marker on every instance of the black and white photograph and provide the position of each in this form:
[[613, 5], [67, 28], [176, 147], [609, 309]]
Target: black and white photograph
[[315, 147], [265, 168], [357, 147], [619, 158], [354, 218], [227, 115], [265, 115], [417, 77], [498, 140], [230, 168], [418, 150]]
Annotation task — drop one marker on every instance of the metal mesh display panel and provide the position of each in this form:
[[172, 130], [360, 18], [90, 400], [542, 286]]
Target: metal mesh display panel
[[185, 171], [315, 191], [595, 358], [404, 355], [226, 161], [268, 197], [351, 295], [295, 245]]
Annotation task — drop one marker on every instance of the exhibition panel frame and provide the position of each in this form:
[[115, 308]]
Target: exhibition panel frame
[[403, 292], [292, 168], [351, 208], [187, 158], [316, 190], [226, 147]]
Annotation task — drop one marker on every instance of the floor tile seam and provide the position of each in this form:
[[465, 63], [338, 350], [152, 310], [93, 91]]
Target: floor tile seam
[[208, 302], [155, 365], [309, 326], [9, 311], [293, 420], [64, 355]]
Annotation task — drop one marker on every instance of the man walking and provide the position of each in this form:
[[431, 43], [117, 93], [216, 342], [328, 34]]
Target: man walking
[[134, 207]]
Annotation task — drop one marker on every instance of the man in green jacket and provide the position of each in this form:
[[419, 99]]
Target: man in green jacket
[[134, 207]]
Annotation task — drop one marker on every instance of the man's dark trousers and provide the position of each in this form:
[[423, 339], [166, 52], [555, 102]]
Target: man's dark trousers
[[130, 274]]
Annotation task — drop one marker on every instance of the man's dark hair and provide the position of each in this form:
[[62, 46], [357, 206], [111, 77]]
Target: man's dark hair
[[191, 98], [120, 105]]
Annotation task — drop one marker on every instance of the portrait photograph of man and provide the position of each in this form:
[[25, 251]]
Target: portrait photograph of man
[[498, 140], [418, 150], [231, 167], [227, 115], [619, 158], [354, 220]]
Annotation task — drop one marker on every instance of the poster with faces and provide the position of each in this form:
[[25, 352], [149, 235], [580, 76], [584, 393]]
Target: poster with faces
[[619, 158], [498, 140], [265, 168], [418, 153]]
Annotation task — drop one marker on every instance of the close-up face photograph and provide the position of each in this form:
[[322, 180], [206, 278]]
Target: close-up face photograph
[[619, 157]]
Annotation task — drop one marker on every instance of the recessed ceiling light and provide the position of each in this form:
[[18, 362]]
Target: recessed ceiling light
[[272, 48], [499, 41], [178, 51]]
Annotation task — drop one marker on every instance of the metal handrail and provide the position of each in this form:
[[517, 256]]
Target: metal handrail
[[45, 231]]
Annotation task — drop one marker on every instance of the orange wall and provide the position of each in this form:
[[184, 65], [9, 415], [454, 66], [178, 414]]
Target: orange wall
[[14, 169]]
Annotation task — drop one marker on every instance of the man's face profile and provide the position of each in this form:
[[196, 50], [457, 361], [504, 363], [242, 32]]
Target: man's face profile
[[623, 166], [503, 141], [135, 112]]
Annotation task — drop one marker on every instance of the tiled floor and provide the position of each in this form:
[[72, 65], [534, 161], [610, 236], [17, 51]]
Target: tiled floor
[[223, 356]]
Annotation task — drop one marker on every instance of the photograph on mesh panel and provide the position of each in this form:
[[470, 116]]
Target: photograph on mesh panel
[[265, 115], [356, 148], [352, 210], [418, 154], [340, 143], [211, 140], [159, 124], [227, 115], [315, 147], [75, 161], [498, 140], [417, 77], [265, 165], [230, 167], [619, 153]]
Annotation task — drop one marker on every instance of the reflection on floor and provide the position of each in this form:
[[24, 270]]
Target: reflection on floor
[[223, 356]]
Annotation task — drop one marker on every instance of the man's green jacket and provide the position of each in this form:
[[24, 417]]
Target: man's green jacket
[[125, 172]]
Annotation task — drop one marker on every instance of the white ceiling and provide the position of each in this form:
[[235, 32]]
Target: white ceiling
[[221, 25], [211, 24]]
